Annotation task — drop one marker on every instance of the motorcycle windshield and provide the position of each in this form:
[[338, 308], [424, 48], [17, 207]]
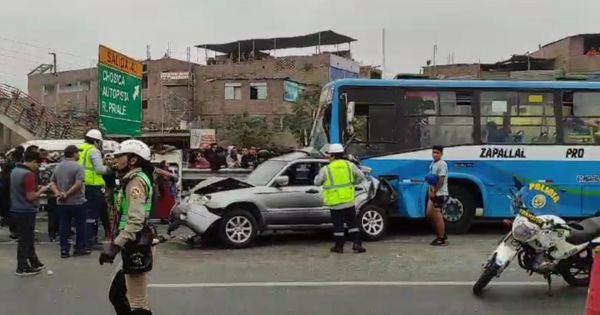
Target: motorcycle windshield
[[539, 199]]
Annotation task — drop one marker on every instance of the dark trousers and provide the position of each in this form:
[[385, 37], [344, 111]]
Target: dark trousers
[[347, 216], [93, 207], [25, 224], [53, 218], [6, 216], [104, 218], [68, 214]]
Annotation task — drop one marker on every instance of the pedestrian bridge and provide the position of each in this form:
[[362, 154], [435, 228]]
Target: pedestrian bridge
[[23, 118]]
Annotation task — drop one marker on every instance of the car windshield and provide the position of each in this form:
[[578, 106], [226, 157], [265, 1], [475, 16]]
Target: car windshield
[[265, 172]]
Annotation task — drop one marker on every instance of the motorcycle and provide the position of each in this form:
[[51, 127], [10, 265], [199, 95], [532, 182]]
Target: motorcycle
[[543, 244]]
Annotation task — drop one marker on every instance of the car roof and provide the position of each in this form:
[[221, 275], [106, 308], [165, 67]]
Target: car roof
[[291, 156]]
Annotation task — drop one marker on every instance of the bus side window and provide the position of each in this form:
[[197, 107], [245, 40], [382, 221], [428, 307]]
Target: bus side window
[[581, 117]]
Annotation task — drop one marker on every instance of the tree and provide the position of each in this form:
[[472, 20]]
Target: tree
[[300, 122], [245, 130]]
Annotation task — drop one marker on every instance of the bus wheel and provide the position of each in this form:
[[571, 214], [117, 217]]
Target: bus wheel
[[459, 210]]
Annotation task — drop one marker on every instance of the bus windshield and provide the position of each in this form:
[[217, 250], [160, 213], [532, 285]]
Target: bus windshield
[[319, 139]]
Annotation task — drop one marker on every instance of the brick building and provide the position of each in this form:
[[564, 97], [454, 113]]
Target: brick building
[[167, 91], [247, 78], [578, 54], [240, 77], [573, 54]]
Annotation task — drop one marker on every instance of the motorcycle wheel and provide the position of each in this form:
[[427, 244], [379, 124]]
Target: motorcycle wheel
[[576, 270], [489, 272]]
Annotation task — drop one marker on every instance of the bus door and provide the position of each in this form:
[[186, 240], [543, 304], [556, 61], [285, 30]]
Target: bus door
[[581, 134]]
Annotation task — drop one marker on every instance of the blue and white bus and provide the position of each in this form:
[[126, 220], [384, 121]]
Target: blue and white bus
[[544, 133]]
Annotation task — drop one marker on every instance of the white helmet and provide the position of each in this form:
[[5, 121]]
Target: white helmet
[[94, 134], [335, 148], [136, 147]]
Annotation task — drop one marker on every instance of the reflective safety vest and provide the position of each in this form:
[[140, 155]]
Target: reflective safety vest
[[122, 204], [85, 160], [338, 187]]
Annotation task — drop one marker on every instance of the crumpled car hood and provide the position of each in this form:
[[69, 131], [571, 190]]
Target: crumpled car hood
[[218, 184]]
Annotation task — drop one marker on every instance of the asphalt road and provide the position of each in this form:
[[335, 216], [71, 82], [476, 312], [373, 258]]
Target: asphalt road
[[295, 274]]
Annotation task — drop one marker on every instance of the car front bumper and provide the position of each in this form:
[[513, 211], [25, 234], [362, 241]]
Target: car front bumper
[[194, 216]]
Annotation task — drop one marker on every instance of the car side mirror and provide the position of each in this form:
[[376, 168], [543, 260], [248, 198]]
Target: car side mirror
[[282, 181]]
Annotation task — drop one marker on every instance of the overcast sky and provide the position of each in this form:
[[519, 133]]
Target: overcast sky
[[486, 30]]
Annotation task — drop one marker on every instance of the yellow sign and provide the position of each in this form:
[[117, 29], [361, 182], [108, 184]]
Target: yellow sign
[[536, 98], [546, 190], [119, 61]]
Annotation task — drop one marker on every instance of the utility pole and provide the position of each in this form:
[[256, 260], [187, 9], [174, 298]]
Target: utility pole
[[383, 53], [54, 62], [434, 61]]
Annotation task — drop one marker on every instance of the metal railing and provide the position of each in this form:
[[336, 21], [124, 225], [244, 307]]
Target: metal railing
[[38, 119]]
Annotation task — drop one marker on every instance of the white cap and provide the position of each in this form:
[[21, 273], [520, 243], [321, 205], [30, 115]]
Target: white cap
[[335, 148], [136, 147], [94, 134]]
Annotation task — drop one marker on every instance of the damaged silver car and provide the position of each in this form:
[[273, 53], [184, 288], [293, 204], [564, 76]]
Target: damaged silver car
[[278, 195]]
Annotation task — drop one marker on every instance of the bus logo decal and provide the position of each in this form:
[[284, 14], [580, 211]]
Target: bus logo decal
[[518, 153]]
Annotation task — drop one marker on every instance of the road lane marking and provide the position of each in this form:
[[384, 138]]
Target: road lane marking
[[339, 284]]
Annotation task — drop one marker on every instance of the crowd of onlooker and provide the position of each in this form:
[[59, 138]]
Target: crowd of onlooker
[[215, 157]]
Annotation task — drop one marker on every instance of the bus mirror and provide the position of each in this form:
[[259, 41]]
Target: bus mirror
[[350, 112]]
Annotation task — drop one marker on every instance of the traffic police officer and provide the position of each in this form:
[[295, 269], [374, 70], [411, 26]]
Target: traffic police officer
[[338, 180], [91, 161], [136, 236]]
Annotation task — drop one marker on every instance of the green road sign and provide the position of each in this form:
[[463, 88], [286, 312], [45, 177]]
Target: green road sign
[[120, 102]]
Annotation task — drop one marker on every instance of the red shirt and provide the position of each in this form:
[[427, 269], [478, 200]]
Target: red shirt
[[30, 182]]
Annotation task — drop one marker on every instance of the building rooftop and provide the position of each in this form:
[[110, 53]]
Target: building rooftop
[[571, 36], [261, 44]]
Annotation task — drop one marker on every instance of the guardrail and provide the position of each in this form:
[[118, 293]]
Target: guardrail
[[31, 115]]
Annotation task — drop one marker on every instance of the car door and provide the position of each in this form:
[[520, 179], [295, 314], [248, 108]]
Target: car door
[[298, 202]]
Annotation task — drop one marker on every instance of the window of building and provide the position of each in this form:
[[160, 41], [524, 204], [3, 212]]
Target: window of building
[[258, 91], [84, 85], [49, 89], [145, 104], [233, 91], [581, 117], [517, 117], [145, 81]]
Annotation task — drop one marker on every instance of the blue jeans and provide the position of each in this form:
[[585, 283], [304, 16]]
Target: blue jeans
[[68, 214], [93, 207]]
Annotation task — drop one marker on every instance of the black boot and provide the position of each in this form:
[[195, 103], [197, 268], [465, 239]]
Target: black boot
[[358, 248], [339, 245], [141, 311]]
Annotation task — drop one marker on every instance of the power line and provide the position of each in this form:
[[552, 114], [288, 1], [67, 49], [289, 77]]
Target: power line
[[40, 57], [9, 74], [23, 59], [41, 47]]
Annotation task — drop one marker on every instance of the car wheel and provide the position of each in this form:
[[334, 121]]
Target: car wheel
[[459, 210], [372, 221], [237, 228]]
